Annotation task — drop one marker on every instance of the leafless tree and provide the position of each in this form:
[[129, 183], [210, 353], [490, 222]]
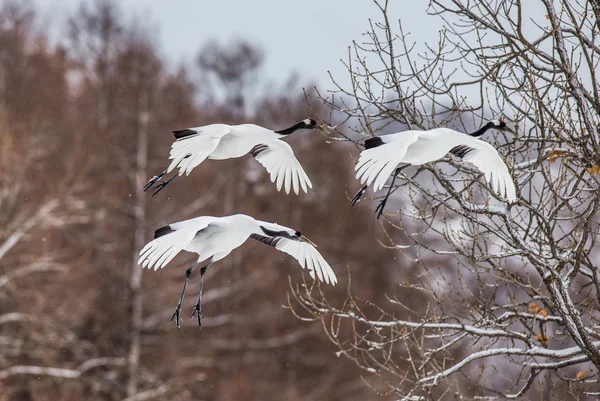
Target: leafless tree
[[81, 127], [230, 72], [37, 225], [512, 292]]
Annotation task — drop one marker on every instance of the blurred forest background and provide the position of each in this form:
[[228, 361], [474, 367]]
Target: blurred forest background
[[451, 295], [82, 128]]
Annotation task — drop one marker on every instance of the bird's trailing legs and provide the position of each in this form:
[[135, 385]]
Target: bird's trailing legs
[[153, 180], [360, 193], [163, 184], [177, 313], [381, 206], [198, 307]]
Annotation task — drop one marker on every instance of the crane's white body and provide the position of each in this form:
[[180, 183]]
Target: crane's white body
[[221, 141], [215, 237], [241, 139], [376, 164]]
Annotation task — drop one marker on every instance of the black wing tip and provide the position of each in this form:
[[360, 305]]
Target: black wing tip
[[271, 241], [162, 231], [258, 149], [461, 151], [373, 142], [182, 133]]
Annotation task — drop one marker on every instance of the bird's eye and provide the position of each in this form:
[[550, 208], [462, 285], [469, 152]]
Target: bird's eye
[[298, 233]]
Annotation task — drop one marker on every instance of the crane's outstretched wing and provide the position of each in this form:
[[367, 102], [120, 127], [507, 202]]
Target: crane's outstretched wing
[[194, 145], [170, 240], [279, 160], [381, 156], [487, 159], [304, 253]]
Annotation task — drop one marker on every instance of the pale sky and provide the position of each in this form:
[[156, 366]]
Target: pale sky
[[308, 36]]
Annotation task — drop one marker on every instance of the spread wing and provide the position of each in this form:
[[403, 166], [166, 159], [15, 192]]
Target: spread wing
[[279, 160], [382, 156], [170, 240], [193, 146], [304, 253], [487, 159]]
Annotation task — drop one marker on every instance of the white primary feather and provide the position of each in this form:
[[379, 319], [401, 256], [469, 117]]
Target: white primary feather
[[216, 236], [487, 159], [377, 164], [221, 141], [160, 251], [281, 163], [198, 147], [309, 258]]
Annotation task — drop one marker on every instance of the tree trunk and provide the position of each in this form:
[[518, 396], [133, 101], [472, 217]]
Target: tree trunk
[[140, 231]]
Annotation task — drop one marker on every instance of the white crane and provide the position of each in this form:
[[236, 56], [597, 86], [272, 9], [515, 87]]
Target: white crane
[[215, 237], [383, 154], [220, 141]]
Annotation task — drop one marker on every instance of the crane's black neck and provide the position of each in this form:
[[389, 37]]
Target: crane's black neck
[[292, 129], [482, 130]]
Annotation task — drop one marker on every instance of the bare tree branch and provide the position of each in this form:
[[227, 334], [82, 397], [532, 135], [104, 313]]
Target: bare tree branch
[[510, 290], [24, 227], [59, 372]]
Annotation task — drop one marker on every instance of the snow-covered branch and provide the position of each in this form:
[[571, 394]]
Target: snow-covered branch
[[33, 268], [148, 394], [60, 372], [485, 289], [14, 237]]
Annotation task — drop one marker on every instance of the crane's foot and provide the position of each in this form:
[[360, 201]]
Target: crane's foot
[[159, 187], [177, 317], [163, 184], [380, 207], [153, 181], [358, 195], [198, 312]]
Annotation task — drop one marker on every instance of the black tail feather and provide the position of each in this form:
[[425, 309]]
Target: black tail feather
[[373, 142], [182, 133], [163, 231]]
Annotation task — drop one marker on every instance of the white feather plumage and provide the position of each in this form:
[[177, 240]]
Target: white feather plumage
[[376, 164], [220, 141], [215, 237]]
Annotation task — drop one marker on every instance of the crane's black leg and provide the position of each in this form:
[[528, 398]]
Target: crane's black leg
[[153, 180], [381, 206], [360, 193], [177, 313], [163, 184], [198, 307]]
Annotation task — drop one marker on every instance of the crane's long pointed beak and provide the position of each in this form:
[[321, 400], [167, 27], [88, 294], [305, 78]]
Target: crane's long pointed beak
[[304, 239], [324, 127]]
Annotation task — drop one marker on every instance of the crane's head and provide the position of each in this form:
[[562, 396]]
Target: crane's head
[[498, 124], [304, 124], [309, 123]]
